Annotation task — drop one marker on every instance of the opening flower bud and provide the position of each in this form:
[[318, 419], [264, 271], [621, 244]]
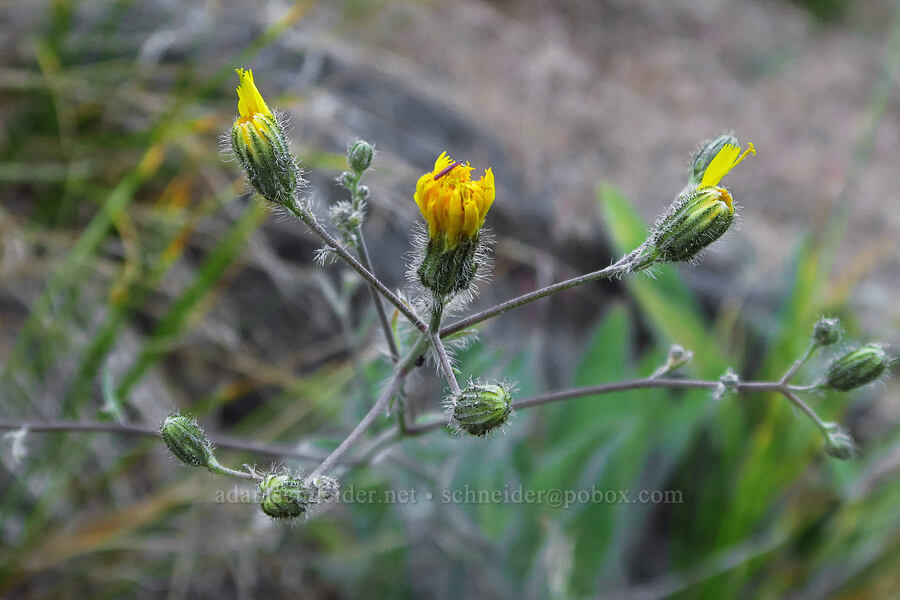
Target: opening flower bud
[[455, 208], [283, 496], [259, 143], [827, 332], [706, 154], [480, 409], [857, 368], [699, 217], [187, 441], [359, 157]]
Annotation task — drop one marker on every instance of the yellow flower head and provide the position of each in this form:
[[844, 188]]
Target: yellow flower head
[[728, 158], [453, 205]]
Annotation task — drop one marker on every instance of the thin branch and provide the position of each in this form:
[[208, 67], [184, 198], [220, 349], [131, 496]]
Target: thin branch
[[379, 407], [632, 384], [63, 426], [446, 367], [379, 306], [804, 407], [307, 217], [810, 350], [411, 429], [444, 362], [628, 264]]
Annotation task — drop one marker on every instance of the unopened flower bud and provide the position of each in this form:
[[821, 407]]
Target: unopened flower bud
[[857, 368], [827, 332], [187, 441], [346, 179], [706, 154], [480, 409], [259, 143], [839, 443], [327, 489], [363, 192], [699, 217], [283, 496], [359, 157]]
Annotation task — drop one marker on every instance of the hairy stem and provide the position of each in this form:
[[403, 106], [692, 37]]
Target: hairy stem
[[810, 350], [376, 299], [632, 263], [637, 384], [446, 367], [380, 405], [215, 467], [307, 217], [151, 431]]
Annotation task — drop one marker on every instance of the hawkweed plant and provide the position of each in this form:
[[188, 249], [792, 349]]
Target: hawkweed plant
[[450, 256]]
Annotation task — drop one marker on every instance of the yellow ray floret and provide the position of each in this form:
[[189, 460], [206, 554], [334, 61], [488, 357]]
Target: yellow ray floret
[[728, 158], [453, 205]]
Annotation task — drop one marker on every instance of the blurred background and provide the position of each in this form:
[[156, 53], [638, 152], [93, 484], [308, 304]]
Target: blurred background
[[138, 276]]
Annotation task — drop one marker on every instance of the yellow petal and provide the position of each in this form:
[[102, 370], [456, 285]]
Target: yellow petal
[[724, 161]]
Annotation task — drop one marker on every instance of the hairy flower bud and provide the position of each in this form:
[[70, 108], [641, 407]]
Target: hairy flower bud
[[839, 444], [326, 489], [187, 441], [480, 409], [359, 156], [260, 145], [283, 496], [698, 218], [857, 368], [706, 154], [346, 179], [827, 332]]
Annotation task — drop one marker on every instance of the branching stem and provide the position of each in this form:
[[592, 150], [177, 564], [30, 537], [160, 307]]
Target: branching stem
[[638, 260], [307, 217], [400, 373]]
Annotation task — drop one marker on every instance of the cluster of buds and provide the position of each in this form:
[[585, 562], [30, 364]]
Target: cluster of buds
[[260, 145], [481, 408], [348, 216], [455, 207]]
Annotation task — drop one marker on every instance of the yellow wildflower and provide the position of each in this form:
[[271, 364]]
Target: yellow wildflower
[[453, 205], [259, 143], [728, 158]]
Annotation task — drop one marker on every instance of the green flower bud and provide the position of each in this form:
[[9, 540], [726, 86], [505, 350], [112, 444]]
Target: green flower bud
[[187, 441], [359, 157], [259, 143], [480, 409], [838, 443], [857, 368], [363, 192], [706, 154], [283, 496], [827, 332], [346, 179], [698, 218], [327, 489]]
